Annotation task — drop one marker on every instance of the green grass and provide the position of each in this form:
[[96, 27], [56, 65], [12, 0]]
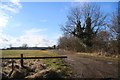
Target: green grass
[[33, 53], [57, 65]]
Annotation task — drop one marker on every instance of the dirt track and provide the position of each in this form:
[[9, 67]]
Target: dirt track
[[87, 67]]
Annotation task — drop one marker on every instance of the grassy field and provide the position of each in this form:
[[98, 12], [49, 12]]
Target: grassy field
[[57, 65], [16, 53]]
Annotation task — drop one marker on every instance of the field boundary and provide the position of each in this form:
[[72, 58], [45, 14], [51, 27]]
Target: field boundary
[[22, 58], [44, 57]]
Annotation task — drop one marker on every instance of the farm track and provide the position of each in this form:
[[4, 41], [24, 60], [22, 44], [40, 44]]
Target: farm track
[[84, 67]]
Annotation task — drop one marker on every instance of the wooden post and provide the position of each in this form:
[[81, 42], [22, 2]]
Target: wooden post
[[12, 69], [12, 65], [21, 61]]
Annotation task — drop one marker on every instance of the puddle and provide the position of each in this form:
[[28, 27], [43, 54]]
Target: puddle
[[109, 62], [70, 59]]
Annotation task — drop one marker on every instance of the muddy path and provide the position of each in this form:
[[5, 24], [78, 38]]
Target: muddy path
[[87, 67]]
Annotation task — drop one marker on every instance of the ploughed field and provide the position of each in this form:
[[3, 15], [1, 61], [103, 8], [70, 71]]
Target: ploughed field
[[34, 68]]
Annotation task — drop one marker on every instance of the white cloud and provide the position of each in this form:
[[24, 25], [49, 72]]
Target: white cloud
[[35, 40], [34, 31], [32, 37], [4, 40], [16, 2], [3, 20], [7, 10]]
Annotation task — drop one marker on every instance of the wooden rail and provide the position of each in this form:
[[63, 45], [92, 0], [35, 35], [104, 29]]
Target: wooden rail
[[46, 57], [22, 60]]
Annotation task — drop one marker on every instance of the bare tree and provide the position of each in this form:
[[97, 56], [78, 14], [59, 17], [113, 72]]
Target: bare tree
[[10, 45], [114, 24], [115, 28], [119, 27], [24, 46], [84, 22], [101, 42], [69, 42]]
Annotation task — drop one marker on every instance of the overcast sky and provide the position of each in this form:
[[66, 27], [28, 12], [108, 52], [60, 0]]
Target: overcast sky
[[36, 23]]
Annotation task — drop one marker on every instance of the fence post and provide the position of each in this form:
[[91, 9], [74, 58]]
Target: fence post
[[21, 61], [12, 65], [12, 69]]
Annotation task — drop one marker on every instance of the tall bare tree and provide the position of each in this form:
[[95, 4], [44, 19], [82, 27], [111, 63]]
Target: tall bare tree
[[119, 26], [25, 46], [115, 27], [114, 24], [84, 22]]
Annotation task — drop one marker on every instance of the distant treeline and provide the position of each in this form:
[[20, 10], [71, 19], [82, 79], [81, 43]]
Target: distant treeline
[[28, 48]]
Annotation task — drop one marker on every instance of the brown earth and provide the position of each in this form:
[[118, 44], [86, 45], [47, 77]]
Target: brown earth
[[91, 67]]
